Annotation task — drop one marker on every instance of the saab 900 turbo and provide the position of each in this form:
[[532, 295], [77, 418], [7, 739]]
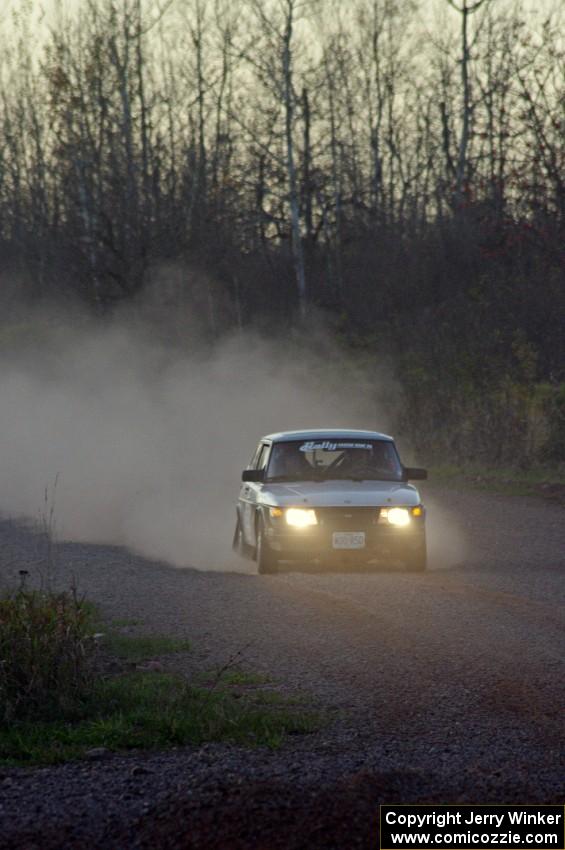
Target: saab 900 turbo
[[334, 496]]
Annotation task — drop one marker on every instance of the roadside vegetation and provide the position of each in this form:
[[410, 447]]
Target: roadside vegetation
[[58, 701], [548, 482], [141, 647], [46, 654]]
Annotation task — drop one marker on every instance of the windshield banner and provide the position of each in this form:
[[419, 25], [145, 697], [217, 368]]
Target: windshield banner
[[327, 446]]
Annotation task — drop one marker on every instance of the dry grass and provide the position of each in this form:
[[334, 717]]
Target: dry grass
[[46, 650]]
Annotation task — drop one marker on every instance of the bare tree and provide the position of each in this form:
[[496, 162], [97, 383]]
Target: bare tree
[[277, 66], [466, 9]]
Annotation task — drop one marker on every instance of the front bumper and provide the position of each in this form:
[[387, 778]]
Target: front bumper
[[381, 539]]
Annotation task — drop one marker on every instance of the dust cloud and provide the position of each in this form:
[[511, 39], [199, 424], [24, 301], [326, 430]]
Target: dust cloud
[[147, 443], [147, 439], [447, 546]]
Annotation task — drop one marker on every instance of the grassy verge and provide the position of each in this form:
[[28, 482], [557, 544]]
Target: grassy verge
[[135, 709], [548, 482], [141, 647], [233, 677], [153, 711]]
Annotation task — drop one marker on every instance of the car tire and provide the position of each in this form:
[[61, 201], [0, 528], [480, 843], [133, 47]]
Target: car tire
[[416, 559], [267, 564], [239, 546], [237, 542]]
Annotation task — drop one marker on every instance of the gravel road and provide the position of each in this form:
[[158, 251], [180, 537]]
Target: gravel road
[[444, 686]]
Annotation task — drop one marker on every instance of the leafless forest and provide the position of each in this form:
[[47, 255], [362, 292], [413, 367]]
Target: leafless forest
[[261, 161]]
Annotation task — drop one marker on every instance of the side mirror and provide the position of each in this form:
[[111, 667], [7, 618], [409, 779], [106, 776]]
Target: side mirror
[[413, 473], [256, 475]]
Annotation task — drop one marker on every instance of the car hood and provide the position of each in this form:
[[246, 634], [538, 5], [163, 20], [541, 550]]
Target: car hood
[[334, 493]]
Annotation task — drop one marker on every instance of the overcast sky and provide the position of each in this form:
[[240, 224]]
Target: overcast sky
[[429, 10]]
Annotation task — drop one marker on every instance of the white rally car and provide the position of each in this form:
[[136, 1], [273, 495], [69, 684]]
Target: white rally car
[[330, 495]]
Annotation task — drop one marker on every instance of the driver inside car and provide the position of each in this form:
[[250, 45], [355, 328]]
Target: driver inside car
[[287, 462]]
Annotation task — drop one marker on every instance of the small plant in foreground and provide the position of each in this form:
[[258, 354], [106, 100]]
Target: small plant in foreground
[[46, 650]]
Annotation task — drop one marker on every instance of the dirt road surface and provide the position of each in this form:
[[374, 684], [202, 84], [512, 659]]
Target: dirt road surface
[[444, 686]]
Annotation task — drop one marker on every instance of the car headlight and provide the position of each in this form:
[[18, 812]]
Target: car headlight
[[396, 516], [301, 517]]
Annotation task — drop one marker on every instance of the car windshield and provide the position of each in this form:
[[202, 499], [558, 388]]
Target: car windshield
[[353, 459]]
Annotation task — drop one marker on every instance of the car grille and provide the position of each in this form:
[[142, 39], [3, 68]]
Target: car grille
[[347, 518]]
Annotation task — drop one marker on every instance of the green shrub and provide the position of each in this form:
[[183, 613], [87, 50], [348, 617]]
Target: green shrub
[[46, 649]]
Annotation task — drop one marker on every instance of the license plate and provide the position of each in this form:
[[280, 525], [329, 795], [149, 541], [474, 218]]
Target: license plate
[[348, 540]]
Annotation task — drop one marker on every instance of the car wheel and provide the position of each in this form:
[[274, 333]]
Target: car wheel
[[266, 561], [416, 559], [239, 546], [237, 542]]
